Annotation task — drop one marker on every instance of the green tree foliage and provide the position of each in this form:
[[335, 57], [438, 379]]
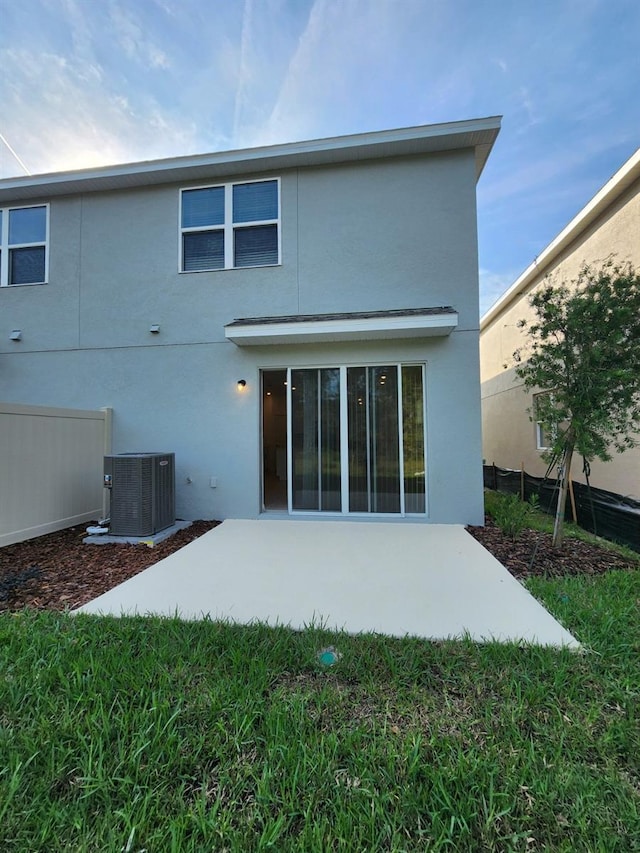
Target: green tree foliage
[[584, 350]]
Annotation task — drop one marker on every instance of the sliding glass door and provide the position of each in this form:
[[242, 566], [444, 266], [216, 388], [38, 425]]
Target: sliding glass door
[[355, 439]]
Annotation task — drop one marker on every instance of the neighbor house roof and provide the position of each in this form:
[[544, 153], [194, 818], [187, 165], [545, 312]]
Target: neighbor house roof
[[615, 187], [479, 134]]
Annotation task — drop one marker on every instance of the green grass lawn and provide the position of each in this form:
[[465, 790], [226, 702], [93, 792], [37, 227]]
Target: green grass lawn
[[157, 735]]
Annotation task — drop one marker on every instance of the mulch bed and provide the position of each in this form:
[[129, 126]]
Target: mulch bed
[[59, 572], [533, 554]]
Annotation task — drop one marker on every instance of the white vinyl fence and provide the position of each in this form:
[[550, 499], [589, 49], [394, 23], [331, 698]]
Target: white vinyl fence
[[51, 468]]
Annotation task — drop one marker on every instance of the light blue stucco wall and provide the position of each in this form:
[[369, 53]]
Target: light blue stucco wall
[[375, 235]]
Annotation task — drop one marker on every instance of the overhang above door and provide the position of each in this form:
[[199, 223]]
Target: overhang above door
[[354, 326]]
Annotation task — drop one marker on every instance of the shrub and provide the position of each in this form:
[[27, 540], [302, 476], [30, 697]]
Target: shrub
[[512, 515]]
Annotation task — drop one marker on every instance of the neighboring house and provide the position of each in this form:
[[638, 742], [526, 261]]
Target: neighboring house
[[298, 323], [608, 226]]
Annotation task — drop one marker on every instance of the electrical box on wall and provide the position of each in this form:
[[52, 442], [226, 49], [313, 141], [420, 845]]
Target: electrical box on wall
[[142, 489]]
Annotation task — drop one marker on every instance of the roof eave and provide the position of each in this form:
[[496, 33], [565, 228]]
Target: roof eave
[[613, 189], [479, 134]]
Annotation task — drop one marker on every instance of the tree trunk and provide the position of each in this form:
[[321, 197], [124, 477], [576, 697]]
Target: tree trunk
[[565, 476]]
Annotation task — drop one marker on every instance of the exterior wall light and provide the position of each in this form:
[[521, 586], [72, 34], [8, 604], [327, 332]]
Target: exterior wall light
[[16, 335], [242, 384], [155, 329]]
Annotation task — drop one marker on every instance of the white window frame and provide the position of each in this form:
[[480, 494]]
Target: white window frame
[[540, 431], [6, 248], [229, 227]]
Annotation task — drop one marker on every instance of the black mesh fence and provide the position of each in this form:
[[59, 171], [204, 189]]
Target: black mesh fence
[[606, 514]]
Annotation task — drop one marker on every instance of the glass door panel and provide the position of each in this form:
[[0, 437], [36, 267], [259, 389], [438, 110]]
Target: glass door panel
[[358, 456], [413, 439], [384, 435], [315, 439], [304, 439], [374, 453], [330, 488], [274, 439]]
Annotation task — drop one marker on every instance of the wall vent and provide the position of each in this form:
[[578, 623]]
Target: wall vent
[[143, 496]]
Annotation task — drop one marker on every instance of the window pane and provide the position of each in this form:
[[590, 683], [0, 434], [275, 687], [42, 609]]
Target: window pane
[[545, 439], [330, 479], [257, 246], [26, 266], [374, 453], [357, 408], [28, 225], [203, 250], [383, 428], [305, 492], [203, 207], [413, 439], [315, 419], [255, 202]]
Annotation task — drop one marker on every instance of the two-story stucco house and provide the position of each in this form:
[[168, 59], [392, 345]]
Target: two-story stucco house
[[298, 323], [608, 226]]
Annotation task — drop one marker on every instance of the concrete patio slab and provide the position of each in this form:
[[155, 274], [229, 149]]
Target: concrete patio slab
[[430, 581]]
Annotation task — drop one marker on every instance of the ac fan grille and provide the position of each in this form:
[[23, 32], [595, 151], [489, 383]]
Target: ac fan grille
[[142, 493]]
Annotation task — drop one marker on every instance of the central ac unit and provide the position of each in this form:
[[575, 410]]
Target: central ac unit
[[142, 492]]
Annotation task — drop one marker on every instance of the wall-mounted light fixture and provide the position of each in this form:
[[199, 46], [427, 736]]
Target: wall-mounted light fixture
[[16, 335], [154, 329], [242, 384]]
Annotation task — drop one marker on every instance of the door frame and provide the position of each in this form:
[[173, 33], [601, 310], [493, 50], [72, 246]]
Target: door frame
[[344, 440]]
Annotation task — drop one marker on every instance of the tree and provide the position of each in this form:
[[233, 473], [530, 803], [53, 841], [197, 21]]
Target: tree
[[584, 351]]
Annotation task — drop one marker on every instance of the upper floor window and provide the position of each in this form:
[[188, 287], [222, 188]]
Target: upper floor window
[[24, 233], [230, 226]]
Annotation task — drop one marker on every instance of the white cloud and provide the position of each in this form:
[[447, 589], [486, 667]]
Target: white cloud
[[529, 109], [75, 122], [492, 286], [133, 38], [339, 69], [244, 70]]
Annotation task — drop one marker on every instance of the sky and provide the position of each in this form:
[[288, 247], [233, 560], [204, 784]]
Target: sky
[[94, 82]]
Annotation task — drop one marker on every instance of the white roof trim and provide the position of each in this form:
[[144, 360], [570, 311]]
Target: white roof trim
[[622, 179], [478, 134], [343, 329]]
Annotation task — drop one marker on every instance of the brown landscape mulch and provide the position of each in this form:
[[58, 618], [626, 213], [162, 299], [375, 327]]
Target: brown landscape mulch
[[532, 554], [59, 572]]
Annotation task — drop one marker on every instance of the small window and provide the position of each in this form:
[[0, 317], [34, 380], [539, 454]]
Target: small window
[[23, 245], [230, 226], [545, 436]]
